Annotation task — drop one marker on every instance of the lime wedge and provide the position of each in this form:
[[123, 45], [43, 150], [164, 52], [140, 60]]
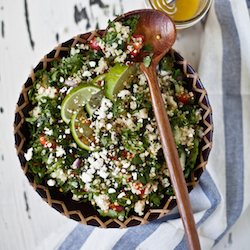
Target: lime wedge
[[76, 100], [94, 102], [81, 132], [115, 79]]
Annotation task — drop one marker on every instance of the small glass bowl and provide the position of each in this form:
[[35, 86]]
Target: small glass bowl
[[202, 10]]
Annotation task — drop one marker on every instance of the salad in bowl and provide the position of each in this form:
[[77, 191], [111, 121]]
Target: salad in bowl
[[92, 133]]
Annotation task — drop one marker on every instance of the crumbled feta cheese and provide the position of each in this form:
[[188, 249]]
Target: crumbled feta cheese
[[63, 89], [73, 145], [92, 64], [133, 105], [74, 51], [86, 73], [111, 190], [102, 201], [104, 107], [152, 137], [102, 66], [51, 182], [97, 164], [48, 131], [60, 151], [154, 148], [35, 112], [103, 173], [50, 159], [86, 177], [29, 154], [108, 126], [58, 173], [143, 80], [123, 93], [171, 102], [67, 131], [149, 128], [61, 79], [139, 207], [165, 182], [50, 92], [143, 114], [122, 194], [76, 197], [134, 175]]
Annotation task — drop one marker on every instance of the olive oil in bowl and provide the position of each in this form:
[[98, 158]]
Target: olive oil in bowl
[[185, 13]]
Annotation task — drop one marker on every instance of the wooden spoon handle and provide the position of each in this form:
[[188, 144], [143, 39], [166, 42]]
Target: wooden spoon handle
[[172, 159]]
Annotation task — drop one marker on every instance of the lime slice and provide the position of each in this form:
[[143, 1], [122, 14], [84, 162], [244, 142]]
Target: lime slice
[[115, 79], [81, 132], [94, 102], [76, 100]]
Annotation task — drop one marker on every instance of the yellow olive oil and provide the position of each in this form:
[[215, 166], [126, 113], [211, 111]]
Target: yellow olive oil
[[180, 11]]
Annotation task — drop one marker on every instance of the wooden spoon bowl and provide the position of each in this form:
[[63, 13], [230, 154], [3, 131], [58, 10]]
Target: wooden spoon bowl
[[160, 40]]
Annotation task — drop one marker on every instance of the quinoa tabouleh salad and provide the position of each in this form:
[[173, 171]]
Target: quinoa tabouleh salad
[[92, 128]]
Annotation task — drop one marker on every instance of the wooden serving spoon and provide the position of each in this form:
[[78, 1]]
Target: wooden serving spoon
[[160, 32]]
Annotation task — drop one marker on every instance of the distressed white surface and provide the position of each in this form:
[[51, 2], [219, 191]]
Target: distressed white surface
[[26, 222]]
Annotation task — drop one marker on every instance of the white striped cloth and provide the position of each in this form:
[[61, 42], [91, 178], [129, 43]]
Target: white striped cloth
[[221, 195]]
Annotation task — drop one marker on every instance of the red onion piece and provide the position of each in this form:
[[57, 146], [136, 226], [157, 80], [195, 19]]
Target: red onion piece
[[180, 77], [70, 83], [76, 163]]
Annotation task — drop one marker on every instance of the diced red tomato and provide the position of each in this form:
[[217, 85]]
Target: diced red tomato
[[185, 98], [46, 143], [134, 52], [136, 41], [94, 44], [139, 186], [117, 208], [124, 154]]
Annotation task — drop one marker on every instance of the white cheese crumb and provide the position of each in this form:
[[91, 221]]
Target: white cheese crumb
[[86, 73], [60, 151], [48, 131], [142, 114], [92, 64], [50, 159], [67, 131], [86, 177], [102, 66], [111, 190], [61, 79], [29, 154], [102, 201], [133, 105], [139, 207], [123, 93], [122, 194], [51, 182]]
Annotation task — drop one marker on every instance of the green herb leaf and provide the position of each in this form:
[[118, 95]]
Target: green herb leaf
[[167, 63], [105, 140], [147, 48], [98, 39], [155, 199], [115, 107], [137, 160]]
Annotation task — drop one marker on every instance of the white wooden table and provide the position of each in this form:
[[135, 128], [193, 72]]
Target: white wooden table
[[29, 30]]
